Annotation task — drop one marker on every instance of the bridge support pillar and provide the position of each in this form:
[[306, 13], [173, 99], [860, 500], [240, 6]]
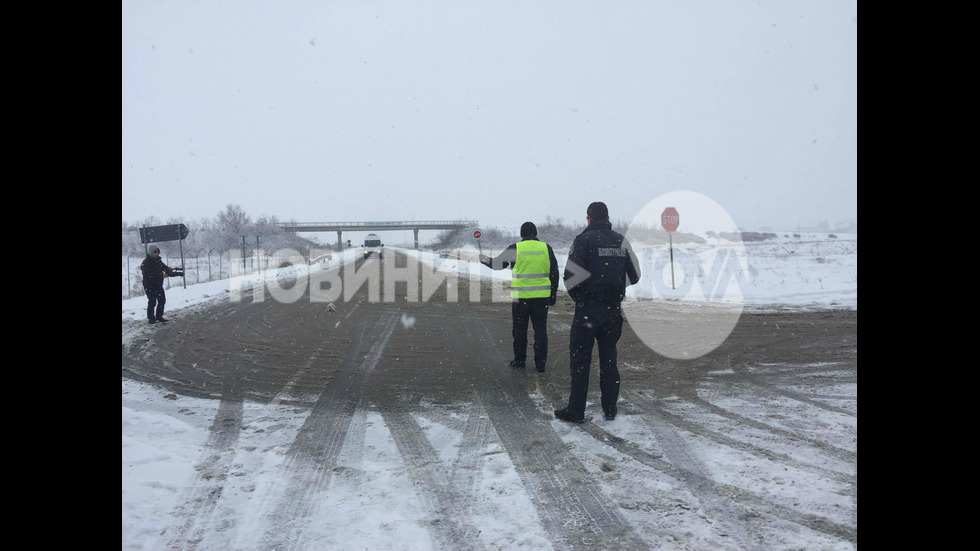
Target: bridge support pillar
[[340, 243], [416, 230]]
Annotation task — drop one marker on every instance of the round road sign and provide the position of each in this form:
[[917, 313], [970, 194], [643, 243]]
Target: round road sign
[[477, 234]]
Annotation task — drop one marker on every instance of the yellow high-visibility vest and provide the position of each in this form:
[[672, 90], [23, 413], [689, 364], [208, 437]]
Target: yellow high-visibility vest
[[531, 271]]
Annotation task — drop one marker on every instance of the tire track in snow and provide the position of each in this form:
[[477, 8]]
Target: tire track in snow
[[572, 509], [831, 450], [681, 464], [313, 455], [443, 498], [465, 471], [477, 432], [196, 511], [690, 394], [757, 380], [714, 502], [655, 406], [699, 483]]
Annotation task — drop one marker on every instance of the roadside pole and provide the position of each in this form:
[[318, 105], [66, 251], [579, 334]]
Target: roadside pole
[[670, 219]]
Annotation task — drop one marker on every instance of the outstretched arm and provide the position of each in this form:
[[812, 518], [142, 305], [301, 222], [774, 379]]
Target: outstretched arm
[[504, 260], [171, 272]]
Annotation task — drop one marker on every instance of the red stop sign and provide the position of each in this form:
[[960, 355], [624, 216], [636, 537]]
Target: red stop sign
[[477, 234], [670, 219]]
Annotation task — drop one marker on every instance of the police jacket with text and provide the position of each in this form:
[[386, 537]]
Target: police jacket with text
[[508, 259], [600, 265]]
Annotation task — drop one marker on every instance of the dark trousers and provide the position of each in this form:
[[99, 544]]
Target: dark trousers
[[535, 310], [155, 299], [594, 322]]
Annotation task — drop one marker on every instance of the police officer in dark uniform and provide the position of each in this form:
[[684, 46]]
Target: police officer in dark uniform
[[600, 266]]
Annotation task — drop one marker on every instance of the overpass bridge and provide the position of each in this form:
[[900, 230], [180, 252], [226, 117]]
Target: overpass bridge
[[340, 227]]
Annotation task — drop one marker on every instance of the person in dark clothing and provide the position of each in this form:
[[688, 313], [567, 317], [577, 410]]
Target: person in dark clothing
[[600, 266], [534, 288], [154, 271]]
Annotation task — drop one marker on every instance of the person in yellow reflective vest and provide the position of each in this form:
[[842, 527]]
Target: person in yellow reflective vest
[[534, 287]]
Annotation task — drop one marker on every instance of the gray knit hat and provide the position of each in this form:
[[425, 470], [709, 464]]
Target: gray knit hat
[[154, 249]]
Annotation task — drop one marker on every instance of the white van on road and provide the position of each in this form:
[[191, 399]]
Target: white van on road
[[373, 245]]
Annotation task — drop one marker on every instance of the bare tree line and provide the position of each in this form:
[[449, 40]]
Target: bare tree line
[[224, 232]]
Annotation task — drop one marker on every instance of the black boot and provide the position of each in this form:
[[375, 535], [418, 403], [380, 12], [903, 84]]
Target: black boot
[[566, 415], [517, 364]]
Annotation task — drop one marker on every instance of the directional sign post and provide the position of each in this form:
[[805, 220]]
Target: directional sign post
[[669, 219], [172, 232], [153, 234]]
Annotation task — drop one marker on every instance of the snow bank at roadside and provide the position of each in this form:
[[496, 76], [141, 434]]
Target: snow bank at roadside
[[807, 271]]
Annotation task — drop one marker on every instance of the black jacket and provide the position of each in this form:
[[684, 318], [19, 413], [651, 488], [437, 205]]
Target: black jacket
[[507, 259], [153, 270], [601, 264]]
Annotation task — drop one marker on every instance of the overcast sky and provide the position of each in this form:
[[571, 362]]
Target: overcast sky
[[499, 111]]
